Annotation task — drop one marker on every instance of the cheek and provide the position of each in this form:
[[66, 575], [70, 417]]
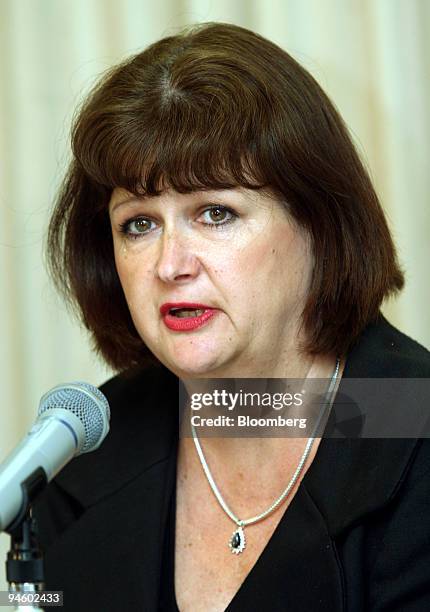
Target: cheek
[[295, 264], [133, 278], [279, 254], [280, 266], [125, 272]]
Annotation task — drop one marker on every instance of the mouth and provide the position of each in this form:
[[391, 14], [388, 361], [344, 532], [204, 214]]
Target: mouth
[[185, 313], [183, 309], [186, 316]]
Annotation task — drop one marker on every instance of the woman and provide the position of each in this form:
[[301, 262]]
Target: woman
[[216, 222]]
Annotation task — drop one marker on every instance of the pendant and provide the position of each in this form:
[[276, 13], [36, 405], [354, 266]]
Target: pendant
[[237, 541]]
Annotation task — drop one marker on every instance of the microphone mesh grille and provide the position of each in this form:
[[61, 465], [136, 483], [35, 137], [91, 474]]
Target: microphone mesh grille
[[87, 403]]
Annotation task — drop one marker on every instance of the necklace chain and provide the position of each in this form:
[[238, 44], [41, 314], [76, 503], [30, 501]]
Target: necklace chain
[[259, 517]]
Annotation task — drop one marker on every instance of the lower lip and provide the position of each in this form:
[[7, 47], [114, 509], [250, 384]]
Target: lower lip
[[188, 323]]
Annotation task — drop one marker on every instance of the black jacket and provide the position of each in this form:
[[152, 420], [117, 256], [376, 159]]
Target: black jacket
[[355, 537]]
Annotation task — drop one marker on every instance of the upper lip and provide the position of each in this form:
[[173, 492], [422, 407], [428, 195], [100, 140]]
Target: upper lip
[[165, 308]]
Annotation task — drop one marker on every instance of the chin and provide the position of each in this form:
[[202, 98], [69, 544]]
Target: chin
[[195, 363], [192, 355], [194, 368]]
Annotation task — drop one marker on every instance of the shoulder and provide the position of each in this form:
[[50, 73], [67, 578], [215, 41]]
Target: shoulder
[[383, 351], [142, 402], [143, 429], [144, 415], [137, 387], [375, 448], [398, 561]]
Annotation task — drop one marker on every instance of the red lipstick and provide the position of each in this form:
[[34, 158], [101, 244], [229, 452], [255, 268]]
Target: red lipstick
[[186, 321]]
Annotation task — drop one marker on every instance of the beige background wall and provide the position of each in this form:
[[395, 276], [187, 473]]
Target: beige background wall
[[372, 57]]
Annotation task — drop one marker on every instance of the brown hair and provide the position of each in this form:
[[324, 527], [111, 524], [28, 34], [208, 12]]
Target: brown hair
[[218, 106]]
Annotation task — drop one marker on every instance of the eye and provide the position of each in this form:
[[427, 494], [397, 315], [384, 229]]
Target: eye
[[137, 227], [218, 215]]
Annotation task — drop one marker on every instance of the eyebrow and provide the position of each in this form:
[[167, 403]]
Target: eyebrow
[[132, 199], [125, 201]]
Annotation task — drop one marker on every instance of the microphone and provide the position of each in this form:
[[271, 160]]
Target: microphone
[[72, 419]]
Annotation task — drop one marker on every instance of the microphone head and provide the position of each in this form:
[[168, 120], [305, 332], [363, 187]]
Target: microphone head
[[87, 403]]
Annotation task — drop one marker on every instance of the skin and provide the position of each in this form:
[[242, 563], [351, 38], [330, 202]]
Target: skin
[[255, 270]]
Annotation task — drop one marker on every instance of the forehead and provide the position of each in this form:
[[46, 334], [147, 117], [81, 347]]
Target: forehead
[[120, 197]]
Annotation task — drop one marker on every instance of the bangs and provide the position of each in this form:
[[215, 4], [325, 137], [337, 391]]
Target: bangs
[[178, 145]]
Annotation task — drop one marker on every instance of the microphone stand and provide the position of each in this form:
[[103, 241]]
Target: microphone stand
[[24, 565]]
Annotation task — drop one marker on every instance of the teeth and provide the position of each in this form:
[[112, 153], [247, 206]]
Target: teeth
[[183, 313]]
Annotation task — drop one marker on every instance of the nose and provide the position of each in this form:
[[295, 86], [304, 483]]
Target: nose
[[176, 261]]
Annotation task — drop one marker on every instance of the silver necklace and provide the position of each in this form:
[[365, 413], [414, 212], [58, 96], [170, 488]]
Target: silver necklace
[[237, 541]]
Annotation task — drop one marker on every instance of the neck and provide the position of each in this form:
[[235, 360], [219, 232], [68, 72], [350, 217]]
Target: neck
[[250, 451], [294, 365]]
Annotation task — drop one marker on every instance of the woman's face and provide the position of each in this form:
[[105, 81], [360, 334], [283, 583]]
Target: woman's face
[[215, 280]]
